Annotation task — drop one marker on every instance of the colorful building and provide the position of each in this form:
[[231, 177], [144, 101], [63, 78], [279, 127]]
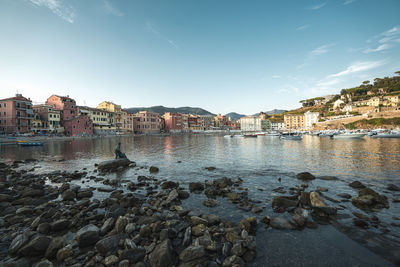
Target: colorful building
[[102, 124], [310, 119], [16, 114], [278, 126], [50, 118], [148, 122], [65, 104], [116, 110], [173, 122], [194, 123], [294, 122], [250, 124], [78, 126], [127, 121], [207, 122]]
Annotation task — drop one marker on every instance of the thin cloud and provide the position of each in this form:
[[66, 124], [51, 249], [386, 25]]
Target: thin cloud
[[303, 27], [62, 10], [393, 31], [276, 76], [358, 67], [347, 2], [157, 33], [112, 10], [320, 50], [329, 82], [382, 47], [316, 7]]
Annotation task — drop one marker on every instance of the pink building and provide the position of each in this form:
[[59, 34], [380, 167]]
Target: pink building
[[74, 124], [79, 125], [173, 122], [65, 104], [147, 122], [16, 115]]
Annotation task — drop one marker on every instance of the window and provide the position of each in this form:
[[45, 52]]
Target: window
[[0, 105], [5, 113], [5, 104], [73, 127]]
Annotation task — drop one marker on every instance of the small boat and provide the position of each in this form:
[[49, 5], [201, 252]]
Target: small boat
[[229, 135], [260, 134], [272, 134], [349, 135], [26, 143], [387, 135], [249, 135], [291, 137]]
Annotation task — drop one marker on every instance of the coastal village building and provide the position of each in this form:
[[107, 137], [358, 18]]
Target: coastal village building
[[278, 126], [127, 121], [100, 119], [310, 118], [37, 125], [294, 122], [220, 122], [207, 122], [16, 114], [193, 122], [74, 124], [148, 122], [173, 122], [50, 117], [250, 124], [116, 110]]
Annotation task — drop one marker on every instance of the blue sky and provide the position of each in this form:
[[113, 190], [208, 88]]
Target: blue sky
[[221, 55]]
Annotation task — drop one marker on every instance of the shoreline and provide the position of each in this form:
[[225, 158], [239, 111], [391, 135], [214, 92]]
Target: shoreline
[[301, 209]]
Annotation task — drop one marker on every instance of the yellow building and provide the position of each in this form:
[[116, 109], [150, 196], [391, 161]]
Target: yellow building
[[115, 109], [127, 121], [102, 119], [295, 121], [49, 116]]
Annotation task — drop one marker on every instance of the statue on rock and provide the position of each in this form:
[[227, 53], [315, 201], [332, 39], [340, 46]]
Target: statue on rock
[[118, 153]]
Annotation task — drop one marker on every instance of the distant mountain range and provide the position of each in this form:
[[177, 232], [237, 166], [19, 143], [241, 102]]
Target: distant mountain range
[[161, 110], [236, 116]]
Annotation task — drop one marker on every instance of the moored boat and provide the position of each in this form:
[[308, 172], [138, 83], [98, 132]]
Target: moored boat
[[387, 135], [291, 137], [349, 135], [249, 135], [25, 143]]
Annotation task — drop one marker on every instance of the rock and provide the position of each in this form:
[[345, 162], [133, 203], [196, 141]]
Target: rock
[[124, 263], [130, 228], [153, 169], [368, 199], [169, 185], [43, 228], [120, 224], [55, 244], [210, 203], [281, 223], [393, 187], [233, 261], [59, 225], [183, 194], [305, 176], [87, 235], [36, 247], [172, 196], [305, 199], [161, 256], [191, 253], [249, 255], [212, 219], [210, 168], [322, 189], [357, 185], [64, 253], [360, 223], [187, 238], [257, 209], [108, 244], [18, 242], [113, 165], [44, 263], [234, 197], [198, 230], [249, 224], [111, 260], [196, 187], [226, 249], [300, 217], [24, 211], [207, 242], [107, 226], [344, 195], [84, 194], [281, 204], [68, 195], [316, 200], [328, 178], [197, 220]]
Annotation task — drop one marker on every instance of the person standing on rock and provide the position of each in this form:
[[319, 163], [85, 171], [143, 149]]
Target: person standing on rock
[[118, 153]]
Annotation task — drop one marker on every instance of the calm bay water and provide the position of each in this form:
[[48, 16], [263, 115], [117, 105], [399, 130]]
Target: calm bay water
[[259, 162]]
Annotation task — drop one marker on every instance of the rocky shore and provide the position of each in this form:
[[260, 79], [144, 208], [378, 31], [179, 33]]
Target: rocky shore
[[50, 220]]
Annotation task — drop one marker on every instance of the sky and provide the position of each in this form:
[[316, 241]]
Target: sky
[[244, 56]]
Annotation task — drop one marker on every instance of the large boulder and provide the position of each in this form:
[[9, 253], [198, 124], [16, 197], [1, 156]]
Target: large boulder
[[113, 165], [192, 252], [87, 235], [316, 200], [36, 247], [281, 223], [196, 187], [284, 203], [161, 256], [369, 199], [108, 245], [305, 176]]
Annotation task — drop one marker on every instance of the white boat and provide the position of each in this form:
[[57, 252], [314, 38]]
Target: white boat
[[272, 134], [387, 135], [349, 135], [291, 137]]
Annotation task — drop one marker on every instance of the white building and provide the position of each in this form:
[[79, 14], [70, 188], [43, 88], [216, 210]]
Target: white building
[[250, 124], [311, 118], [278, 126]]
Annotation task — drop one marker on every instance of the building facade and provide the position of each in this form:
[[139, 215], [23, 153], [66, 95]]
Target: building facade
[[101, 120], [173, 122], [127, 121], [50, 117], [148, 122], [65, 104], [278, 126], [310, 119], [116, 110], [16, 114], [80, 125], [294, 122], [207, 122], [250, 124]]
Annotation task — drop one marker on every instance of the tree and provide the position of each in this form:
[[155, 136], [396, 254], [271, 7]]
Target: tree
[[365, 82], [397, 72]]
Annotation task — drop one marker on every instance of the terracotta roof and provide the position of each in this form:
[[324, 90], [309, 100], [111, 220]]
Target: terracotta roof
[[22, 98]]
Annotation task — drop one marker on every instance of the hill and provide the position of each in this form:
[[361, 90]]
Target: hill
[[234, 116], [161, 110]]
